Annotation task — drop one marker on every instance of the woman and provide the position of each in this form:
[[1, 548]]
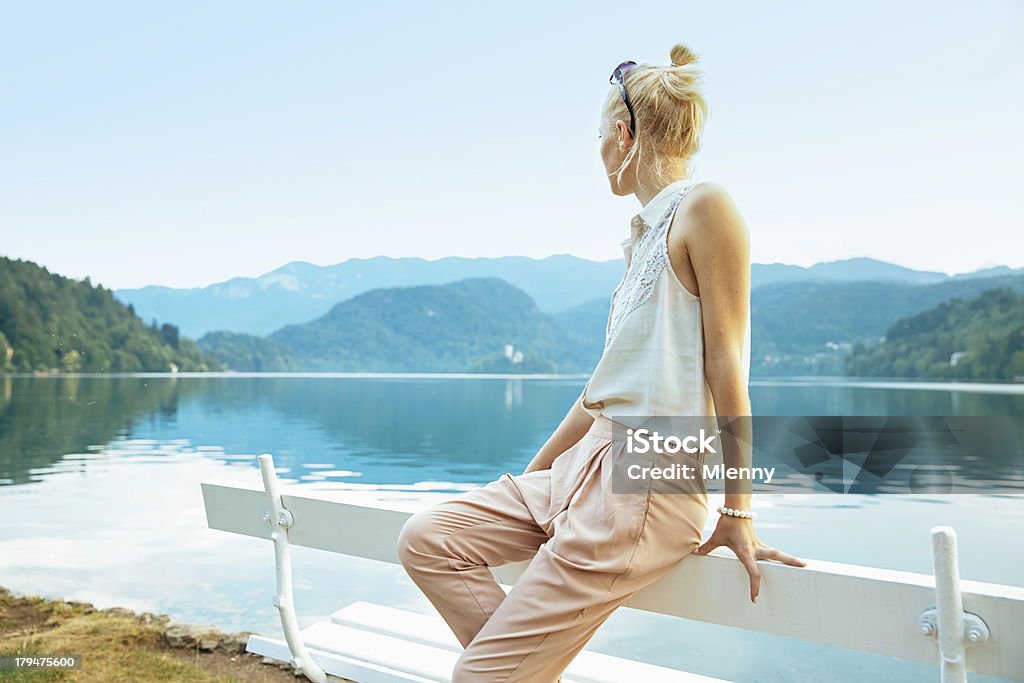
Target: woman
[[677, 344]]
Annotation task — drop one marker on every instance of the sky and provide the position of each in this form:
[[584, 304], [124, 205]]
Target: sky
[[184, 143]]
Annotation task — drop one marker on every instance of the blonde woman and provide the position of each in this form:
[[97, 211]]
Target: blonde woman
[[677, 343]]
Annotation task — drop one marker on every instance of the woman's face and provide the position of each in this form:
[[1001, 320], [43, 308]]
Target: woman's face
[[615, 144]]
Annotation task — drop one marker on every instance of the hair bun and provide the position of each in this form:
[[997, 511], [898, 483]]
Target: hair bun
[[682, 55]]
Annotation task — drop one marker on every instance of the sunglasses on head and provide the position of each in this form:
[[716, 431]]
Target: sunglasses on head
[[617, 78]]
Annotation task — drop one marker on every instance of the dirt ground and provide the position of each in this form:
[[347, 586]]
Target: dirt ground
[[121, 646]]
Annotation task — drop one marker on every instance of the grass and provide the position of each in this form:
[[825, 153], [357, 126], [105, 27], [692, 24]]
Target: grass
[[117, 645]]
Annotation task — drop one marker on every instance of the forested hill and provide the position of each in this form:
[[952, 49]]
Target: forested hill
[[978, 339], [463, 326], [248, 353], [49, 322]]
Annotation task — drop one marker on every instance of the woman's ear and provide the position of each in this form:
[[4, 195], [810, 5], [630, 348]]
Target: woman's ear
[[625, 139]]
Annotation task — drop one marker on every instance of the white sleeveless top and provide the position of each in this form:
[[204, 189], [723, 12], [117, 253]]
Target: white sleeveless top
[[653, 360]]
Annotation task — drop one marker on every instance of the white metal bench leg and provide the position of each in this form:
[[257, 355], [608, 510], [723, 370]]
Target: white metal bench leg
[[955, 629], [282, 520]]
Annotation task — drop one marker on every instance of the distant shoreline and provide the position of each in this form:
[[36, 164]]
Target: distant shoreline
[[1008, 387], [310, 375]]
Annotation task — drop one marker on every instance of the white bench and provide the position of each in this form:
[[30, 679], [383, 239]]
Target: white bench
[[915, 617]]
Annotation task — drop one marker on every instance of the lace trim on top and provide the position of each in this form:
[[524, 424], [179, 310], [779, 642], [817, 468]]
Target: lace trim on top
[[649, 258]]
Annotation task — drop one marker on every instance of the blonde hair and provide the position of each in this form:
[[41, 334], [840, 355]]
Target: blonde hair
[[670, 113]]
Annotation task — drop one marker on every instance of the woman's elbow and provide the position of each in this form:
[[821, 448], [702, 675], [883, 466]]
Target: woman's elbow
[[724, 368]]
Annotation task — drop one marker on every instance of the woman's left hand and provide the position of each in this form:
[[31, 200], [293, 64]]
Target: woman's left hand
[[737, 534]]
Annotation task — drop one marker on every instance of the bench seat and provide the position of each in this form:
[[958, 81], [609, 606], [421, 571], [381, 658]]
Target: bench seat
[[372, 643]]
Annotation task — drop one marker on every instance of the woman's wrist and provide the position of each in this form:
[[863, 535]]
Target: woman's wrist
[[739, 501], [541, 461], [737, 504], [727, 511]]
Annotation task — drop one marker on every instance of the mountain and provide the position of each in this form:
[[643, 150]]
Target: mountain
[[49, 322], [464, 326], [994, 271], [845, 270], [975, 339], [299, 292]]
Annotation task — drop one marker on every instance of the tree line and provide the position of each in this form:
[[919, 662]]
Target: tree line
[[53, 323]]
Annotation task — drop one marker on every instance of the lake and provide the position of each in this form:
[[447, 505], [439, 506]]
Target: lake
[[100, 496]]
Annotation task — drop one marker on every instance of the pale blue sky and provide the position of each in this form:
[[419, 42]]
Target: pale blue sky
[[183, 143]]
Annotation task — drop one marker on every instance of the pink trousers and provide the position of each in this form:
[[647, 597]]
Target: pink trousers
[[592, 549]]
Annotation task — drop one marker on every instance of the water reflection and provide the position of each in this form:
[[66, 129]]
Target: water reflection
[[386, 431], [43, 419]]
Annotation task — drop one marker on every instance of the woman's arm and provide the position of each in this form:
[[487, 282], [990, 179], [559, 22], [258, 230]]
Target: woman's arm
[[716, 239], [718, 243], [572, 428]]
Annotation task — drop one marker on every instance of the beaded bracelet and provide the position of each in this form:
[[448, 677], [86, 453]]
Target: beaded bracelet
[[732, 512]]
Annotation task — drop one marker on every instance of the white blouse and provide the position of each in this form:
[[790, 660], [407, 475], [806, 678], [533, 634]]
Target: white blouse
[[653, 360]]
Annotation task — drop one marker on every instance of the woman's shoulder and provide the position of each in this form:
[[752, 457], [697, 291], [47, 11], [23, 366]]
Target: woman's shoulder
[[708, 195], [709, 212]]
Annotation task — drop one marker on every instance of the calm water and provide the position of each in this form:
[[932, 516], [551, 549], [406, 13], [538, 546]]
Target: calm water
[[100, 497]]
